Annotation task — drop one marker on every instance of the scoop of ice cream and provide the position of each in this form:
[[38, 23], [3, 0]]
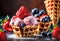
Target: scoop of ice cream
[[12, 20], [30, 20], [16, 21]]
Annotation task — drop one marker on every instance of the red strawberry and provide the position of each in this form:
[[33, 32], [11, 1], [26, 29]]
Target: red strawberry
[[3, 36], [22, 12], [6, 26], [56, 33]]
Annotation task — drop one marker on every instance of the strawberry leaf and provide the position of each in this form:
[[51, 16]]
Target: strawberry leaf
[[51, 28], [1, 20], [6, 18], [1, 30], [55, 25]]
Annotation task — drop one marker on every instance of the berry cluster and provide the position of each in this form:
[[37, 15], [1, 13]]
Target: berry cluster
[[43, 17]]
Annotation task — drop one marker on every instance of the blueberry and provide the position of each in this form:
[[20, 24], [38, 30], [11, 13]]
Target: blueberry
[[23, 25], [45, 19], [36, 15], [41, 12], [49, 34], [44, 34], [34, 11]]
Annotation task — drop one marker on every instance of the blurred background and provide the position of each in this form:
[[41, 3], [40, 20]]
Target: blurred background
[[9, 7]]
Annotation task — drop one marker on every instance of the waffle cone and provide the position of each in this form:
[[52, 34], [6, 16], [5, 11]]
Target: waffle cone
[[53, 10]]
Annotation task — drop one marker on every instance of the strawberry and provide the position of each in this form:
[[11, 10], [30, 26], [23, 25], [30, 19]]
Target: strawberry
[[56, 32], [22, 12], [3, 36], [6, 26], [5, 23]]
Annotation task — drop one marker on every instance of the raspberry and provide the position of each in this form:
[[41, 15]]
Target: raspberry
[[22, 12]]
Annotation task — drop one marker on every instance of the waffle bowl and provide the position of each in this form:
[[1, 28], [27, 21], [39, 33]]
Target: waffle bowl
[[28, 31], [17, 31], [43, 26], [53, 10]]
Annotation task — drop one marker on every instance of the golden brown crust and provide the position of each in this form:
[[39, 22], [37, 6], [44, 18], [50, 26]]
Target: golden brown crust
[[44, 26], [17, 31], [28, 31], [53, 10]]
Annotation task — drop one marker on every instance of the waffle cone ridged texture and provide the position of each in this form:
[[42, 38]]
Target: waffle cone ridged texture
[[53, 10]]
